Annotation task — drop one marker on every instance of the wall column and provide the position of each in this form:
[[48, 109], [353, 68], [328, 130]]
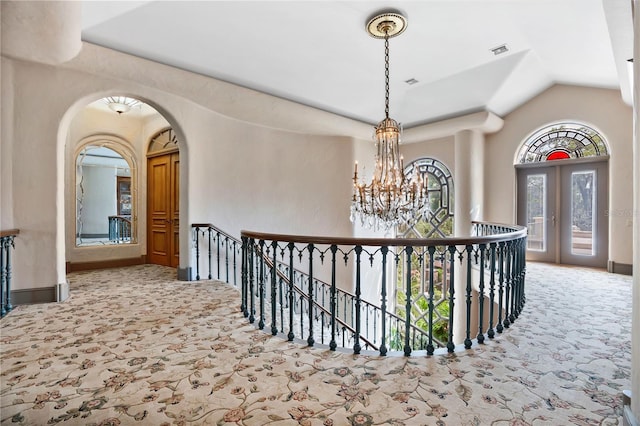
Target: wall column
[[468, 181], [634, 415], [47, 32]]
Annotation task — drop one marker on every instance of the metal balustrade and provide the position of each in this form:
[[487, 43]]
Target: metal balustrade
[[222, 253], [488, 269], [120, 229], [6, 245]]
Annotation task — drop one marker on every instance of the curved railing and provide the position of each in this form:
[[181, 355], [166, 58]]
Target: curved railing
[[487, 269], [216, 255], [6, 245]]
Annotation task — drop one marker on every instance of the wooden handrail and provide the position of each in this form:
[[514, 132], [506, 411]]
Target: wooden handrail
[[517, 232], [218, 230], [9, 232]]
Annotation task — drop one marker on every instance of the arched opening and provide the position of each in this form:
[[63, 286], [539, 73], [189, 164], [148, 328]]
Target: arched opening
[[106, 182], [123, 125], [562, 194]]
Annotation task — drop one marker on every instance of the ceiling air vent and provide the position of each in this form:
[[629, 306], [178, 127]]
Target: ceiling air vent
[[500, 49], [411, 81]]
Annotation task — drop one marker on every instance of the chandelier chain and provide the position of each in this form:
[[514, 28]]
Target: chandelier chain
[[386, 73]]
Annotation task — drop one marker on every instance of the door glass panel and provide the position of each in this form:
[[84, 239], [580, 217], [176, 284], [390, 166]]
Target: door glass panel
[[582, 208], [536, 212]]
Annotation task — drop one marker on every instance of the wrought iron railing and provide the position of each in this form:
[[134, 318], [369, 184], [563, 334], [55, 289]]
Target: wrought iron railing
[[120, 229], [6, 245], [488, 269], [492, 263], [217, 254], [345, 301], [219, 251]]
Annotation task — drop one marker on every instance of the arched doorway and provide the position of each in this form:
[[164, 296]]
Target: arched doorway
[[562, 195], [125, 125]]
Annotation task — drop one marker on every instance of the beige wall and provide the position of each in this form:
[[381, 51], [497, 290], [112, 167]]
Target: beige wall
[[235, 174], [442, 149]]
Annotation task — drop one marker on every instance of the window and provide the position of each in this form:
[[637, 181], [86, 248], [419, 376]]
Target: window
[[164, 141], [439, 222], [562, 141]]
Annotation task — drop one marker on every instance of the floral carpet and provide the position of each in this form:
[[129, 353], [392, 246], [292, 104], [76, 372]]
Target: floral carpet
[[135, 346]]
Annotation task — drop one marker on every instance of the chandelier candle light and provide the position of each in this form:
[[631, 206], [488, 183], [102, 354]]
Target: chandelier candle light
[[391, 198]]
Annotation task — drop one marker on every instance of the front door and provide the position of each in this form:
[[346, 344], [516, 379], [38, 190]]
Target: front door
[[564, 207], [163, 209]]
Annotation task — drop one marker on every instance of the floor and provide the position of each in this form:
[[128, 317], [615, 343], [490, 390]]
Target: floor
[[135, 346]]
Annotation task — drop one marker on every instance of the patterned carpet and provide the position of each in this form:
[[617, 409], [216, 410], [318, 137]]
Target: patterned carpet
[[135, 346]]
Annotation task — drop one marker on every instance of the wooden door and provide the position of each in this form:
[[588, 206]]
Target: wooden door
[[163, 218]]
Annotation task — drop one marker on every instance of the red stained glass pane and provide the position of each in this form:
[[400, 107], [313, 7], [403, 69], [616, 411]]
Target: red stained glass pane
[[557, 155]]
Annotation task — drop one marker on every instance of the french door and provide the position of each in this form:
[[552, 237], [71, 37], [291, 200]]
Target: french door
[[564, 205]]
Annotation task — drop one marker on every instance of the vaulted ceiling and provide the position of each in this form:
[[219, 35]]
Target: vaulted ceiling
[[318, 53]]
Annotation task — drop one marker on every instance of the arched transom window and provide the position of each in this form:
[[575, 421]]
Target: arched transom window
[[562, 141], [163, 141]]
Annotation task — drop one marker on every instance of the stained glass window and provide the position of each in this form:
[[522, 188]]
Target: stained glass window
[[562, 141], [439, 221]]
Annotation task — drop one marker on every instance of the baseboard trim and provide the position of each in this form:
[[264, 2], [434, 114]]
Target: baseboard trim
[[27, 296], [185, 274], [62, 292], [619, 268], [105, 264]]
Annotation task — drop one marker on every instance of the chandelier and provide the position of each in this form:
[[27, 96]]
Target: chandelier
[[391, 198]]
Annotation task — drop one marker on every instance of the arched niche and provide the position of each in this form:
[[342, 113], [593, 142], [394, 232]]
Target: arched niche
[[106, 192]]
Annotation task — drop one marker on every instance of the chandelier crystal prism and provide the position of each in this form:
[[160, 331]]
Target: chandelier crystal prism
[[390, 198]]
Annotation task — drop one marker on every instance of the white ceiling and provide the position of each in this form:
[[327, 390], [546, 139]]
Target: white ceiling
[[319, 54]]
